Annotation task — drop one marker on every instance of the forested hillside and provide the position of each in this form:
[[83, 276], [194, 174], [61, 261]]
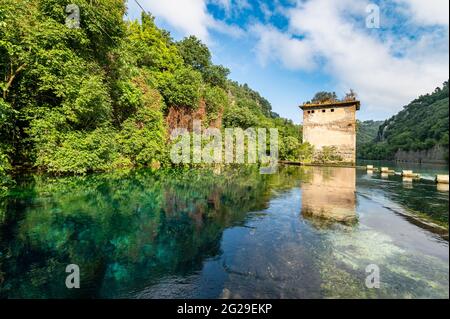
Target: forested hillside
[[367, 131], [421, 125], [97, 98]]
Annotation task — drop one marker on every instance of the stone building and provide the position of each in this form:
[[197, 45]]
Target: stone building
[[332, 124]]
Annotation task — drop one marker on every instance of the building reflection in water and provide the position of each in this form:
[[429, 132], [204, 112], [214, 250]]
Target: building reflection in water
[[328, 194], [442, 187], [407, 182]]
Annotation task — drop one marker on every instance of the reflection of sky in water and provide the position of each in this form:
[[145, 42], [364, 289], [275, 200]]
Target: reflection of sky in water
[[283, 255], [280, 255], [426, 170], [234, 235]]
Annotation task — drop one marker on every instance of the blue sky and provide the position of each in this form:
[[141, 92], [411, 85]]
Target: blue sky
[[290, 49]]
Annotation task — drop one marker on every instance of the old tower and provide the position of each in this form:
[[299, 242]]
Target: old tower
[[332, 124]]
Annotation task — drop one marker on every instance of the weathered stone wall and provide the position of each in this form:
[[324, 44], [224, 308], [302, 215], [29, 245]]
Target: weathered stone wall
[[332, 126], [435, 155]]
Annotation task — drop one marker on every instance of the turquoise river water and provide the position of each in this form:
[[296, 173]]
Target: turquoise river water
[[305, 232]]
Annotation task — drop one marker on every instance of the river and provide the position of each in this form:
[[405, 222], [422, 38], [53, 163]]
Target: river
[[305, 232]]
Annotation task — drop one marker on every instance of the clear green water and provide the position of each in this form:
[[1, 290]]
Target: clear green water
[[302, 233]]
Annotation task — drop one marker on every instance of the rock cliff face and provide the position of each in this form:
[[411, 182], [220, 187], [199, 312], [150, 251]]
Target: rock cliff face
[[435, 155], [184, 117]]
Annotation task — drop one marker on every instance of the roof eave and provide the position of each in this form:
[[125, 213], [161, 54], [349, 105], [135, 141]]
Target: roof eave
[[330, 105]]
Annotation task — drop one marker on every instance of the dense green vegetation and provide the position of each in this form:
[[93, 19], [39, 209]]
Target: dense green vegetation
[[96, 98], [327, 154], [423, 124], [367, 131], [324, 97]]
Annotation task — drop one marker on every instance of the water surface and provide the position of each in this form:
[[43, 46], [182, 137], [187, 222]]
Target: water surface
[[428, 171], [230, 233]]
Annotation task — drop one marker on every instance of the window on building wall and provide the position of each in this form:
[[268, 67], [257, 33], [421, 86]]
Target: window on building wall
[[332, 110], [323, 111]]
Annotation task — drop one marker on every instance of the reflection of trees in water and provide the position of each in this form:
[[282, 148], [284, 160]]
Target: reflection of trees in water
[[134, 230], [420, 198], [123, 230]]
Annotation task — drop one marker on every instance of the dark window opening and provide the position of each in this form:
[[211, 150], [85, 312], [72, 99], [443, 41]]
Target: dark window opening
[[323, 111], [332, 110]]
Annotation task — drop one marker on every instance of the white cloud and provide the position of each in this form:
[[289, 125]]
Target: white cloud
[[388, 70], [267, 12], [243, 4], [355, 57], [190, 17], [274, 45], [232, 7], [429, 12], [225, 4]]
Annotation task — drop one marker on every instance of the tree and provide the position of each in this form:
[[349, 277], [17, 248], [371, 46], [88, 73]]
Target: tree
[[216, 75], [183, 88], [350, 96], [289, 148], [306, 152], [239, 117], [197, 55], [421, 125], [74, 101], [216, 100], [324, 97], [148, 47]]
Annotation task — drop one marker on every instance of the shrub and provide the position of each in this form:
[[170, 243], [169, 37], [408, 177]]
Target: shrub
[[92, 105], [143, 137], [81, 152], [306, 152], [6, 128], [328, 154], [216, 75], [289, 148], [216, 100], [183, 88], [5, 167], [239, 117]]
